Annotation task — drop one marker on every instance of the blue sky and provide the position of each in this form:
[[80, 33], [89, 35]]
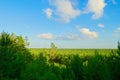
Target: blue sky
[[67, 23]]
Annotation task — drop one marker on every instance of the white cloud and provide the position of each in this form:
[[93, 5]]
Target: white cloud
[[45, 36], [101, 25], [65, 10], [117, 30], [48, 12], [96, 7], [88, 33], [50, 36]]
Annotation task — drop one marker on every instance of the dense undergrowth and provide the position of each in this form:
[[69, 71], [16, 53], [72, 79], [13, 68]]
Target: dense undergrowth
[[17, 63]]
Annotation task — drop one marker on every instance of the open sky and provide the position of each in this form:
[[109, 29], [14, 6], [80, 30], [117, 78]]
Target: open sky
[[67, 23]]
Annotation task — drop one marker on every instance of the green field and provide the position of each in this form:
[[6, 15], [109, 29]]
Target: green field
[[81, 52]]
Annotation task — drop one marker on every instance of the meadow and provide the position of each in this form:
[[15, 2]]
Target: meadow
[[81, 52]]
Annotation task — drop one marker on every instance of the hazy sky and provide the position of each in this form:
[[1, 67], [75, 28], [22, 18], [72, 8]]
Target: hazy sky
[[67, 23]]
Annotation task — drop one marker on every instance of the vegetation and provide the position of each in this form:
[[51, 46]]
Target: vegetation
[[19, 63]]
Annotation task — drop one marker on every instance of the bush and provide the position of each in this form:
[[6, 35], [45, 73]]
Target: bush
[[13, 55]]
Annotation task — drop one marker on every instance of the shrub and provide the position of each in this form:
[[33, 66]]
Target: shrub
[[13, 55]]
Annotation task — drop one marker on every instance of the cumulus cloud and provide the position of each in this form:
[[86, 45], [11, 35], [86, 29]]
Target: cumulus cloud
[[84, 33], [117, 30], [101, 25], [88, 33], [65, 10], [96, 7], [50, 36], [48, 12], [45, 36]]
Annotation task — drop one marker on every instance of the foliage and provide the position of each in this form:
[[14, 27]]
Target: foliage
[[118, 51], [17, 63], [13, 56]]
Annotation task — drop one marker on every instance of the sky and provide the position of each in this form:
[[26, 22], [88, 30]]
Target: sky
[[66, 23]]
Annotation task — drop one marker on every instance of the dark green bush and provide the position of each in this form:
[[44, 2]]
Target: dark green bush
[[13, 56], [76, 65]]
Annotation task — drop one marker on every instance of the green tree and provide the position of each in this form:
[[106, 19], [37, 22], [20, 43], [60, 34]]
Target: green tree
[[53, 46], [118, 51], [13, 56]]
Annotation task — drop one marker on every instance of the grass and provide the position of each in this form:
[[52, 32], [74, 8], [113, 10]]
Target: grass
[[81, 52]]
